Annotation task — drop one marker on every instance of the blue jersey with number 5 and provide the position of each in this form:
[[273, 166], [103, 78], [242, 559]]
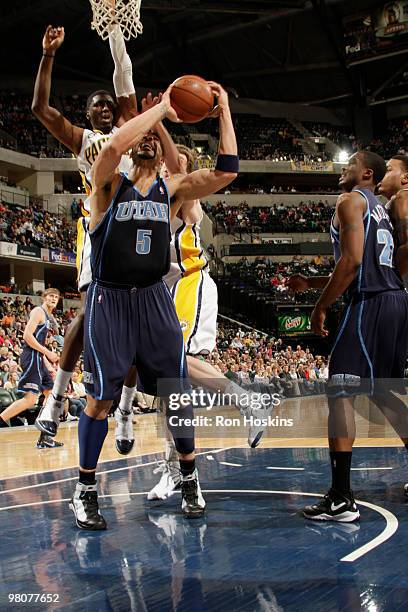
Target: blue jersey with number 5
[[131, 245], [377, 272]]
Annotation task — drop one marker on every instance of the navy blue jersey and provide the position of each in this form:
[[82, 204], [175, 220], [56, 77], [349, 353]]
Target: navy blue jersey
[[131, 245], [41, 331], [377, 272]]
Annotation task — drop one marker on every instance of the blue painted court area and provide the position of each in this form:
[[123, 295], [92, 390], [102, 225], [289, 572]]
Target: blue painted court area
[[252, 551]]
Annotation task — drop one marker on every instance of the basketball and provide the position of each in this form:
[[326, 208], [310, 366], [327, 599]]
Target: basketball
[[191, 98]]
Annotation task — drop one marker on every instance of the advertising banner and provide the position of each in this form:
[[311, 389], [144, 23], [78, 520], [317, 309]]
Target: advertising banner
[[296, 324], [312, 166], [62, 257], [8, 248], [29, 251]]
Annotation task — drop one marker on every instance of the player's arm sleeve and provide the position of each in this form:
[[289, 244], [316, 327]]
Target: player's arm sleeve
[[122, 75], [36, 318], [401, 226]]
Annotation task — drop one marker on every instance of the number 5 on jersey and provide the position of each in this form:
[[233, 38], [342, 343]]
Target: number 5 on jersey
[[143, 241]]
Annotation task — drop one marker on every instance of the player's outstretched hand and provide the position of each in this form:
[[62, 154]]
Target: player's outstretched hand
[[149, 101], [222, 99], [298, 282], [53, 39], [171, 113], [317, 321]]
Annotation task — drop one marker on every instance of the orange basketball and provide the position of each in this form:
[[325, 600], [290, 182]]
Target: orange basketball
[[191, 98]]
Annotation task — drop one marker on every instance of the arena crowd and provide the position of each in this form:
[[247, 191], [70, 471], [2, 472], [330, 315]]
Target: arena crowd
[[33, 226], [305, 217]]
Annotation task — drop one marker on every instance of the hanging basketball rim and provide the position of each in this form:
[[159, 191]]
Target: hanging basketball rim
[[107, 13]]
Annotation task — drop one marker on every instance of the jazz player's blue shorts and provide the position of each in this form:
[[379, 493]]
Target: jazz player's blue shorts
[[132, 326], [35, 377], [371, 349]]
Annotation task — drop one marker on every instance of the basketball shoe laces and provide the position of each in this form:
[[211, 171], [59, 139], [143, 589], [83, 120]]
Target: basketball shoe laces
[[90, 501], [189, 489], [164, 466]]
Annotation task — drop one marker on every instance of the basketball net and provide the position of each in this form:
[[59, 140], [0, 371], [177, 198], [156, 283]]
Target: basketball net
[[107, 13]]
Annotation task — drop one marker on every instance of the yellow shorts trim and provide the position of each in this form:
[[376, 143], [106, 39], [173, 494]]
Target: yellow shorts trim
[[187, 299]]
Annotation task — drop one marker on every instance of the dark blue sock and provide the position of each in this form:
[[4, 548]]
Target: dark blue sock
[[91, 436]]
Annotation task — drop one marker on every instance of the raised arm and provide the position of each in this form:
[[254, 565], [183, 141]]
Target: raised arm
[[122, 76], [63, 130], [170, 152], [350, 212], [104, 176], [400, 218], [129, 133], [204, 182]]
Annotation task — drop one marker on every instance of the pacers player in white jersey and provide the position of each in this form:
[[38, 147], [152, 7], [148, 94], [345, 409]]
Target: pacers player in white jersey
[[105, 116], [196, 300]]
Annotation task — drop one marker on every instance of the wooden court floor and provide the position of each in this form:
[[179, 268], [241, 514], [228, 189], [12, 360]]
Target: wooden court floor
[[19, 455]]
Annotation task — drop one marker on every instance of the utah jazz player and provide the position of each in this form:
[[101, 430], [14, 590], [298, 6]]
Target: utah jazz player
[[371, 348], [130, 316], [36, 378], [104, 115]]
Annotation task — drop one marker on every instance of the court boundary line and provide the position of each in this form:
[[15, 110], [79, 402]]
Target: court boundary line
[[388, 531], [123, 458], [126, 467]]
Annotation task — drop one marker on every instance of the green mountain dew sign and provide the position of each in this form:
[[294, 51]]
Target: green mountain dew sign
[[297, 324]]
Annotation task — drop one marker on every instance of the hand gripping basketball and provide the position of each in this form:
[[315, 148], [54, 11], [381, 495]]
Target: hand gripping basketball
[[171, 113], [222, 99]]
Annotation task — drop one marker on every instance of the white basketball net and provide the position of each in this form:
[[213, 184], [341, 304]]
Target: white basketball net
[[107, 13]]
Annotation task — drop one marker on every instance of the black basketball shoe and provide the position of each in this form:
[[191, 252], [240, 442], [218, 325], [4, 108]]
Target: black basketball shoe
[[334, 507], [48, 419], [84, 504], [406, 490], [192, 501], [124, 436], [45, 441]]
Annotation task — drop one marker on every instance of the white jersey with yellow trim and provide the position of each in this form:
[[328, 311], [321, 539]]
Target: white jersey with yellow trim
[[92, 143], [192, 288], [186, 252]]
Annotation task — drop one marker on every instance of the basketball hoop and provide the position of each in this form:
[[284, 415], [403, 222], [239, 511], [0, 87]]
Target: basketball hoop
[[107, 13]]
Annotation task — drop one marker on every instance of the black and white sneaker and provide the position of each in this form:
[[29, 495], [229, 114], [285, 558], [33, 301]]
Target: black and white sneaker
[[124, 436], [45, 441], [48, 419], [406, 490], [84, 504], [170, 480], [192, 503], [334, 507]]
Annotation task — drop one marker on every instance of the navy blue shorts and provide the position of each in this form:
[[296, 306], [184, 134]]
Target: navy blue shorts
[[132, 326], [371, 348], [35, 377]]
